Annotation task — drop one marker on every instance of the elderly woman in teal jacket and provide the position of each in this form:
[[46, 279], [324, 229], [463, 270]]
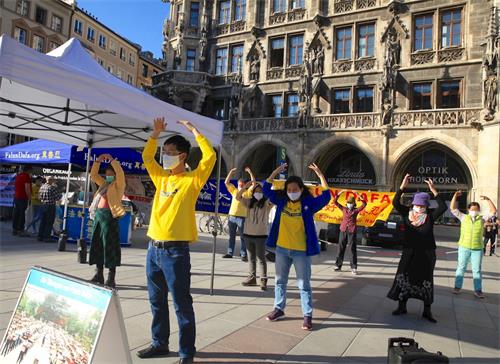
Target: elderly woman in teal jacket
[[470, 245], [294, 235]]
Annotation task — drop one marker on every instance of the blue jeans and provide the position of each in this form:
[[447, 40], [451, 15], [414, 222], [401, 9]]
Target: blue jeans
[[236, 225], [169, 270], [37, 217], [48, 217], [302, 263], [475, 256]]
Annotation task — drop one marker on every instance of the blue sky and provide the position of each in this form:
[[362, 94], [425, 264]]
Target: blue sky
[[140, 21]]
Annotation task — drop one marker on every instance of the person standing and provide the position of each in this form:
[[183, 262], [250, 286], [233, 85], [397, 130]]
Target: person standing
[[490, 234], [106, 210], [237, 214], [36, 205], [348, 230], [470, 244], [256, 231], [415, 275], [22, 197], [172, 227], [293, 233], [49, 195]]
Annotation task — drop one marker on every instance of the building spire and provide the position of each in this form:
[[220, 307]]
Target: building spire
[[492, 27]]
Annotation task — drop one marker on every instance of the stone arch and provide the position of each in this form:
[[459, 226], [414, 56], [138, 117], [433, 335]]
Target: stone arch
[[448, 143], [292, 154], [357, 143]]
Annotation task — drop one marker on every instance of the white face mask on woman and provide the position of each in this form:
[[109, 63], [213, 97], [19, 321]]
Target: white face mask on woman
[[170, 161], [294, 196], [350, 206], [419, 210], [258, 196]]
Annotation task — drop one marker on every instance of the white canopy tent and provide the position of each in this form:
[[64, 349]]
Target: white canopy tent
[[67, 96]]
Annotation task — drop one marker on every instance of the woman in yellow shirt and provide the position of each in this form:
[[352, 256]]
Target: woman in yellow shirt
[[294, 235]]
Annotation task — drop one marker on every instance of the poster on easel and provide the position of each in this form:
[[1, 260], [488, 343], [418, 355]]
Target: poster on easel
[[61, 319]]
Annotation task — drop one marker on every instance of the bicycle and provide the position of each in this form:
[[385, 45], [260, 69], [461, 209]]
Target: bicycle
[[206, 224]]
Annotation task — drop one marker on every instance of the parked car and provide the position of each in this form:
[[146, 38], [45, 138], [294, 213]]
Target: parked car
[[390, 232], [328, 234]]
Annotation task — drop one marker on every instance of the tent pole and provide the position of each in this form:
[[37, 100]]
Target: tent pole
[[63, 236], [215, 226], [82, 245]]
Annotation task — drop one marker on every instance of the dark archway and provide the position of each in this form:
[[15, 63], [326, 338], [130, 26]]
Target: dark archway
[[264, 159]]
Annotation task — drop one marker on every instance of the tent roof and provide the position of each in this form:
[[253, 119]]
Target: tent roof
[[67, 96]]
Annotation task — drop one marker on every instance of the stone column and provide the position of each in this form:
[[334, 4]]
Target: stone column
[[488, 164], [386, 132]]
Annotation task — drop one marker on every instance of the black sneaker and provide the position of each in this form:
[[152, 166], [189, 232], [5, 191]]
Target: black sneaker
[[244, 259], [337, 268], [186, 361], [276, 315], [153, 352], [227, 256]]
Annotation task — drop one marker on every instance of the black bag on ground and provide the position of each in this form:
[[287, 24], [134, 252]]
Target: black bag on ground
[[404, 351]]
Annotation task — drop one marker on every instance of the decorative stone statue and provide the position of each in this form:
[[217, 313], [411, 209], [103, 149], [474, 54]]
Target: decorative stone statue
[[490, 95], [392, 49], [387, 111], [302, 115], [254, 68], [180, 47], [320, 57], [203, 44]]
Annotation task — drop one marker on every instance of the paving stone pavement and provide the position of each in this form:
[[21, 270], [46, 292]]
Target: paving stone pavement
[[352, 316]]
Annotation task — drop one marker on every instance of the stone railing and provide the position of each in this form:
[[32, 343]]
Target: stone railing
[[365, 64], [266, 124], [345, 121], [342, 6], [451, 54], [437, 118], [179, 76], [274, 74], [342, 66], [291, 15], [422, 57]]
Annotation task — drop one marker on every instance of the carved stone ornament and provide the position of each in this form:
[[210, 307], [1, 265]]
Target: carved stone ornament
[[450, 54], [423, 57], [364, 64], [342, 6], [342, 66]]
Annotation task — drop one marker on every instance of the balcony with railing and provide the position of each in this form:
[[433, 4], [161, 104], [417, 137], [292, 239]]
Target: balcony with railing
[[180, 76]]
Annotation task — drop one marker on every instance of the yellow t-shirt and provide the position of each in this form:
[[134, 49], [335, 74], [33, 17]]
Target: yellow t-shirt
[[237, 208], [173, 212], [35, 199], [292, 233]]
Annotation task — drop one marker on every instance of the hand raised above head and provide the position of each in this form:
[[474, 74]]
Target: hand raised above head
[[159, 125]]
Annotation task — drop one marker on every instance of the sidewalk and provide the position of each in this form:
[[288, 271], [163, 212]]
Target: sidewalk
[[352, 317]]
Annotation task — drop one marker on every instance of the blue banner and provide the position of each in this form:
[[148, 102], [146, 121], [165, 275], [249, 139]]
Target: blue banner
[[206, 198], [7, 189]]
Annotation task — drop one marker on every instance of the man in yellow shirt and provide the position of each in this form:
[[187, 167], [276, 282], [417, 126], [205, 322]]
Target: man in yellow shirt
[[237, 215], [172, 227]]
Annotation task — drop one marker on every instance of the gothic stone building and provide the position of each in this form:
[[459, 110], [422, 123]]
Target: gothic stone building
[[368, 89]]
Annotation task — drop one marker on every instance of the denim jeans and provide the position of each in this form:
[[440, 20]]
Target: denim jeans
[[36, 218], [475, 256], [169, 270], [236, 225], [302, 263], [48, 217]]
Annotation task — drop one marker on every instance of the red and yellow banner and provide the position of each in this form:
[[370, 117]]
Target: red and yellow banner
[[379, 205]]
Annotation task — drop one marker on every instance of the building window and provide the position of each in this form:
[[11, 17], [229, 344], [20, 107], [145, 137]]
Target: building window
[[451, 28], [366, 40], [145, 70], [100, 61], [421, 96], [41, 15], [190, 59], [237, 59], [23, 8], [102, 41], [112, 47], [364, 99], [130, 79], [194, 14], [341, 101], [449, 95], [423, 32], [56, 24], [292, 105], [221, 61], [111, 69], [296, 4], [344, 41], [90, 34], [219, 110], [21, 35], [224, 12], [279, 6], [131, 59], [53, 45], [296, 50], [122, 54], [78, 27], [240, 10], [119, 74], [38, 43], [277, 52], [276, 106]]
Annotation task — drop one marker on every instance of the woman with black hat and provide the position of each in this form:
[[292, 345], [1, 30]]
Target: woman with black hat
[[415, 274]]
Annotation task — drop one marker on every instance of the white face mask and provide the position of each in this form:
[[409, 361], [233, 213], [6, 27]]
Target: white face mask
[[170, 161], [294, 196], [350, 206], [258, 196], [473, 213], [419, 210]]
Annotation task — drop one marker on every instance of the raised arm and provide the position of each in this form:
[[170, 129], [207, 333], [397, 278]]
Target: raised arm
[[155, 171], [363, 202], [454, 206], [396, 202], [227, 181], [94, 171], [320, 175], [240, 195], [441, 204], [493, 209], [336, 201], [282, 168]]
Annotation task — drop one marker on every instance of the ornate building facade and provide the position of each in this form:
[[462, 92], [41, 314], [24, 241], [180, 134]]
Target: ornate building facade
[[368, 89]]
